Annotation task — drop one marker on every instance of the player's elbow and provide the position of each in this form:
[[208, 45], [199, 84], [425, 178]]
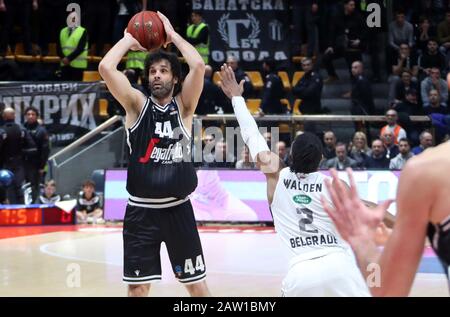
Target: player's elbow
[[199, 66], [104, 68]]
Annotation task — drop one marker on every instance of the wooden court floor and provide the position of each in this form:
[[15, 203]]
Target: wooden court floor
[[87, 261]]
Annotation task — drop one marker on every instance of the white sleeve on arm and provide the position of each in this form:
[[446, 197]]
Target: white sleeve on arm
[[249, 130]]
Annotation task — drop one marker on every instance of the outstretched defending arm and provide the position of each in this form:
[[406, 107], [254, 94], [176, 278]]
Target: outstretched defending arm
[[269, 163]]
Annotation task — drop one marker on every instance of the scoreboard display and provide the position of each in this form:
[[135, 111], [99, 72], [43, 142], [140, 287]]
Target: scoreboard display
[[28, 215]]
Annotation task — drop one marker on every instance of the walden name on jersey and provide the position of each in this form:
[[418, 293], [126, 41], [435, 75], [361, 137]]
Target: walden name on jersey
[[300, 220]]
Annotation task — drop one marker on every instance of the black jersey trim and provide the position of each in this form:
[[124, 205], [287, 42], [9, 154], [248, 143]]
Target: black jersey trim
[[139, 119]]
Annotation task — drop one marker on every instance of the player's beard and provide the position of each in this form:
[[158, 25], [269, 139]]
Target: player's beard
[[163, 91]]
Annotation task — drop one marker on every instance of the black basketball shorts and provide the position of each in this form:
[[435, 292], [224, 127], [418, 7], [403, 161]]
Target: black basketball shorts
[[145, 229]]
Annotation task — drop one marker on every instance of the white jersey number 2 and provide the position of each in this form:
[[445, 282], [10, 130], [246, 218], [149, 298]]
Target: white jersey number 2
[[302, 223]]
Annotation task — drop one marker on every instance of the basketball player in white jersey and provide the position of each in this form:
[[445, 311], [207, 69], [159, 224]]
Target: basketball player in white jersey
[[320, 262], [423, 209]]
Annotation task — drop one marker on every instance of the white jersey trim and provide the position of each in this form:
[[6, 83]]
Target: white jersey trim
[[180, 121], [128, 140], [156, 206], [158, 106], [192, 280], [153, 200], [139, 119], [141, 278]]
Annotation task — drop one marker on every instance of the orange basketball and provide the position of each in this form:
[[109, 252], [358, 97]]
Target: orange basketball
[[148, 29]]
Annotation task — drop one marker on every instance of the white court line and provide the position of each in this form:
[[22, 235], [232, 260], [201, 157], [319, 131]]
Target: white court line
[[44, 249]]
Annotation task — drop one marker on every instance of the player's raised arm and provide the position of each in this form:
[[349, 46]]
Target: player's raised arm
[[118, 84], [193, 83], [268, 162]]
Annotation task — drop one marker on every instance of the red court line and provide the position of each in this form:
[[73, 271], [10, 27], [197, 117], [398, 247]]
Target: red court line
[[14, 232], [22, 231]]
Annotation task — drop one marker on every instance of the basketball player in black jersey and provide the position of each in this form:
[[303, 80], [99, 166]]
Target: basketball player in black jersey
[[160, 174], [423, 208]]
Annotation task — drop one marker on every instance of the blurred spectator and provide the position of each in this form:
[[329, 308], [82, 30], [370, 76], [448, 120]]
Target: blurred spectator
[[18, 11], [329, 140], [405, 154], [375, 37], [426, 141], [431, 58], [170, 9], [73, 50], [9, 70], [52, 17], [268, 137], [341, 161], [244, 162], [134, 67], [35, 164], [391, 149], [89, 205], [98, 29], [400, 31], [197, 34], [49, 195], [434, 82], [410, 105], [240, 74], [393, 126], [377, 159], [405, 109], [282, 152], [406, 61], [209, 145], [126, 10], [212, 99], [305, 15], [309, 89], [441, 124], [16, 145], [424, 33], [359, 150], [433, 8], [222, 157], [362, 98], [346, 38], [443, 35], [2, 107], [403, 86], [434, 104], [273, 90]]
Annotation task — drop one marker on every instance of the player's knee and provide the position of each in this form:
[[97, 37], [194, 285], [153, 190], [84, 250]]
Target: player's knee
[[198, 289], [140, 290]]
